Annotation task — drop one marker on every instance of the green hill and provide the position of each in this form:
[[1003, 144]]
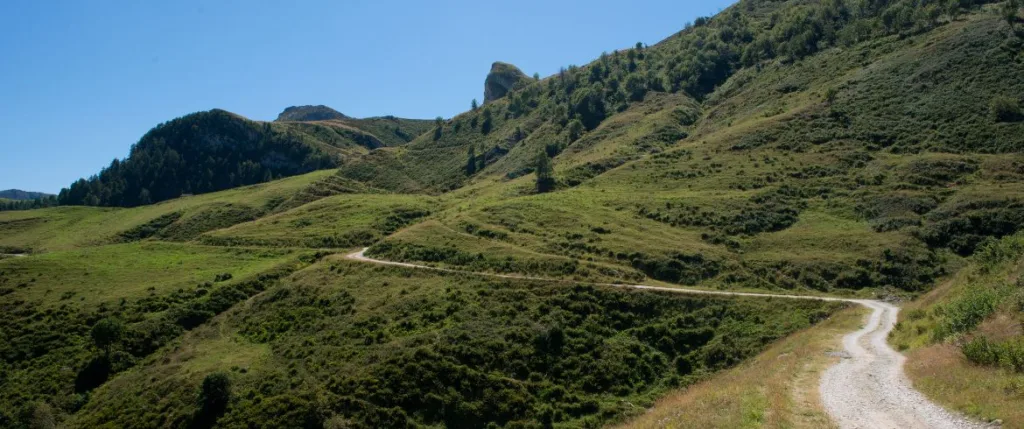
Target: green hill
[[843, 148], [210, 151]]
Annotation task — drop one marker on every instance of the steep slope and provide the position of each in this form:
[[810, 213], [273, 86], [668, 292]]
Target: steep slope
[[856, 168], [710, 63]]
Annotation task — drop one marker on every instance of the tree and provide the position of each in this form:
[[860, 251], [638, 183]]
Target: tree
[[216, 392], [482, 159], [536, 76], [42, 417], [438, 126], [471, 161], [106, 333], [1005, 109], [474, 105], [636, 87], [488, 123], [588, 103], [545, 172], [1010, 11], [575, 130]]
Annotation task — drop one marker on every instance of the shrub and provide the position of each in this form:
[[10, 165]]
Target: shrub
[[216, 392], [106, 333], [1005, 109], [1005, 354]]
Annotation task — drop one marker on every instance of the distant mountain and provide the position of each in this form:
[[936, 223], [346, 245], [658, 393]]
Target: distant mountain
[[215, 150], [18, 194], [310, 113]]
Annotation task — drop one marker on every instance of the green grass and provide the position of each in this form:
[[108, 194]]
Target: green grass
[[106, 274], [63, 228], [350, 341], [871, 168], [338, 221]]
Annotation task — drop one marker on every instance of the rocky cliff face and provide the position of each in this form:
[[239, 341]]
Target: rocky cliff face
[[310, 113], [500, 80]]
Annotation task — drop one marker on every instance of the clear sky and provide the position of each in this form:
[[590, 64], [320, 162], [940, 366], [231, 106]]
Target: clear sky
[[81, 81]]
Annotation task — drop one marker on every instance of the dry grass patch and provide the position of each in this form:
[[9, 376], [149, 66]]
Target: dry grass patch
[[776, 389], [942, 372]]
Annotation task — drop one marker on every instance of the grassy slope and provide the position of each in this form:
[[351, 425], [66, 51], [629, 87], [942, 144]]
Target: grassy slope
[[776, 389], [983, 301], [158, 290], [775, 187], [70, 227], [334, 338], [766, 132]]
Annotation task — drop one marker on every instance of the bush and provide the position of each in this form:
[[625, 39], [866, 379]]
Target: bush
[[1005, 109], [216, 391], [1005, 354]]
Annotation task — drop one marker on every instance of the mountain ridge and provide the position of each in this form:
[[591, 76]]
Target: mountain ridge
[[18, 194]]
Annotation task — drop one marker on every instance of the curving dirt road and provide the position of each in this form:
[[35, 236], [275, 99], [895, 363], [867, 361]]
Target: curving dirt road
[[867, 389]]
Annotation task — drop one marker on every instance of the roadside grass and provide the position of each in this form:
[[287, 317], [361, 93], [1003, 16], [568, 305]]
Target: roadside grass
[[986, 393], [959, 338], [776, 389]]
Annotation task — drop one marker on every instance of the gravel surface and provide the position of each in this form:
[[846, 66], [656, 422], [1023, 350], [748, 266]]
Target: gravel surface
[[867, 389]]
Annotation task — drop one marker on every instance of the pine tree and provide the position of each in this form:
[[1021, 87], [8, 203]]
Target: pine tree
[[545, 172], [471, 161], [474, 104], [438, 127]]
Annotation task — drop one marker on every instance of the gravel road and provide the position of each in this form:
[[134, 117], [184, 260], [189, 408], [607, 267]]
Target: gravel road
[[867, 389]]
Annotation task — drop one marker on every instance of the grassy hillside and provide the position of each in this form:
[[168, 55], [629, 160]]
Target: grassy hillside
[[842, 148], [964, 339], [781, 181], [420, 349]]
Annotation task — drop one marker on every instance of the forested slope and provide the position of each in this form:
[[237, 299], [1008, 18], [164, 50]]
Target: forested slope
[[215, 150]]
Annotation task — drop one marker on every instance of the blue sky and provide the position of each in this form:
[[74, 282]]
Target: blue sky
[[81, 81]]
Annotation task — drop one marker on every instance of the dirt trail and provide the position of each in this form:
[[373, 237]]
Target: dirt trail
[[866, 389]]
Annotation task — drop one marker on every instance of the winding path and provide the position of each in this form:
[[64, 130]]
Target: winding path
[[867, 389]]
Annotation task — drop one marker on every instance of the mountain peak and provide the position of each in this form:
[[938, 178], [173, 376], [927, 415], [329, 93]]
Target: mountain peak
[[310, 113]]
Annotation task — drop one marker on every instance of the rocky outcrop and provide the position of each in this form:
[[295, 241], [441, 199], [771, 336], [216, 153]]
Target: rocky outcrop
[[310, 113], [500, 80]]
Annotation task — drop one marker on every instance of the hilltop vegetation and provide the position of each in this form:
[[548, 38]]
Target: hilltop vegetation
[[853, 148], [215, 150], [17, 194], [309, 113]]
